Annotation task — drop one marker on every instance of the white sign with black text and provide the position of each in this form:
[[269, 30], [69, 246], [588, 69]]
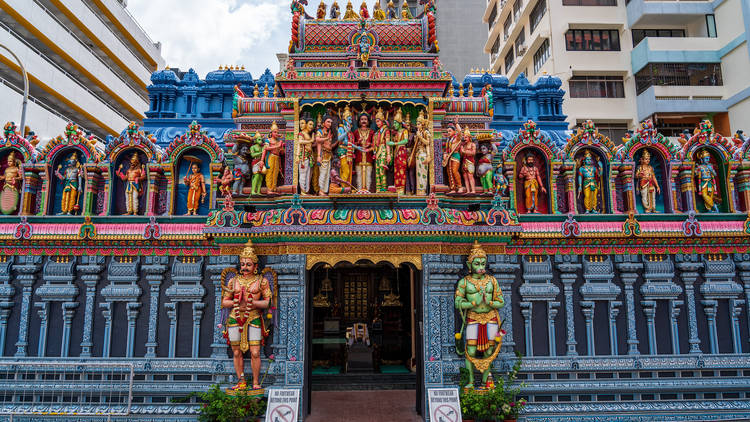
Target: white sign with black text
[[282, 405], [444, 405]]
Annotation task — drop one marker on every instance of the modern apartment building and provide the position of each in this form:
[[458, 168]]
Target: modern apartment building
[[460, 33], [88, 62], [622, 61]]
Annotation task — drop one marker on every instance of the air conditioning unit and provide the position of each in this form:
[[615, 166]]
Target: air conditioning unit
[[521, 50]]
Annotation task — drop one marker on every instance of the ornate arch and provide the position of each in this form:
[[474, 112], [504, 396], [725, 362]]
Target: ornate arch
[[73, 137], [194, 138], [706, 137], [588, 136], [11, 139], [133, 137], [647, 135], [530, 135]]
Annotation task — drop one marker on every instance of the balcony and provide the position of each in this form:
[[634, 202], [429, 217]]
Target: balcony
[[675, 50], [680, 99], [672, 12]]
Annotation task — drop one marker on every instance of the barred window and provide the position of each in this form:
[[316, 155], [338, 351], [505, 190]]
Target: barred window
[[592, 40], [493, 16], [678, 74], [509, 60], [640, 34], [520, 40], [596, 87], [536, 15], [506, 27], [541, 55]]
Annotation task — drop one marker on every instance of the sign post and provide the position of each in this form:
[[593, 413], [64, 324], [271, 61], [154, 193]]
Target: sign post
[[445, 405], [283, 405]]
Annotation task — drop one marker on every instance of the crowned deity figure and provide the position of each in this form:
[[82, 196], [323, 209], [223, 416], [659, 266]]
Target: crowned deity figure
[[406, 11], [335, 11], [363, 12], [196, 184], [392, 14], [706, 176], [305, 157], [241, 167], [325, 145], [363, 157], [256, 152], [468, 167], [500, 181], [422, 154], [71, 177], [398, 144], [452, 156], [350, 14], [271, 158], [345, 149], [532, 183], [478, 298], [246, 295], [382, 151], [132, 179], [589, 182], [321, 13], [377, 13], [11, 184], [487, 151], [647, 184]]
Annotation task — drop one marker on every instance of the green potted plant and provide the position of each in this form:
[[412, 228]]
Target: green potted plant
[[218, 406], [497, 401]]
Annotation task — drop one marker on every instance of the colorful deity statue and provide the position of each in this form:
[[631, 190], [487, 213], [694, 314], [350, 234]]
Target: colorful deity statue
[[271, 158], [305, 158], [256, 152], [501, 182], [377, 13], [345, 149], [382, 151], [531, 177], [321, 13], [392, 14], [398, 146], [335, 11], [411, 166], [225, 182], [706, 176], [478, 298], [363, 12], [72, 181], [363, 157], [338, 184], [647, 184], [241, 167], [196, 184], [468, 167], [487, 151], [452, 156], [589, 182], [11, 184], [246, 295], [325, 144], [405, 11], [350, 14], [422, 154], [132, 178]]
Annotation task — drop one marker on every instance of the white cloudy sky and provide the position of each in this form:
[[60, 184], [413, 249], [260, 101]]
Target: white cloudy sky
[[204, 34]]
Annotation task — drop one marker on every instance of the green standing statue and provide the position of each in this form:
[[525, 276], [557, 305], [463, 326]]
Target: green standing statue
[[256, 152], [478, 298]]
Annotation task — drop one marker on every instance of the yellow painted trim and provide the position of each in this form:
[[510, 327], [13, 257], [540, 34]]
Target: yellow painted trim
[[33, 79], [120, 27], [53, 46], [85, 29]]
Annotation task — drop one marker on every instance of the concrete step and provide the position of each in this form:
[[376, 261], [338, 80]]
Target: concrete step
[[371, 381]]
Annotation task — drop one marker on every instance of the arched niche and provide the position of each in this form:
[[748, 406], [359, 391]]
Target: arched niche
[[603, 195], [721, 190], [57, 185], [118, 187], [182, 168], [10, 196], [543, 205], [659, 165]]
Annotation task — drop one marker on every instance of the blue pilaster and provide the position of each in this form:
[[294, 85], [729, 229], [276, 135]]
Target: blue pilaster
[[26, 268], [568, 266], [628, 265], [154, 267], [90, 268], [6, 298], [217, 264]]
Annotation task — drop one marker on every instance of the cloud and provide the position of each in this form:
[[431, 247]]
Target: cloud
[[202, 34]]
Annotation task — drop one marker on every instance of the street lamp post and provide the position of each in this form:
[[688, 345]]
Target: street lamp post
[[25, 89]]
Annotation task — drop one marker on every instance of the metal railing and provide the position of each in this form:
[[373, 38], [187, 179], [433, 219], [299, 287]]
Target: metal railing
[[66, 389]]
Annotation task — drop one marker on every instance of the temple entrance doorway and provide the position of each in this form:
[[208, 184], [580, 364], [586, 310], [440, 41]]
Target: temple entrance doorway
[[364, 328]]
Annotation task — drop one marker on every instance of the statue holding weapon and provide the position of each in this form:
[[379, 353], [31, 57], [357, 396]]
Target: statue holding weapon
[[72, 181]]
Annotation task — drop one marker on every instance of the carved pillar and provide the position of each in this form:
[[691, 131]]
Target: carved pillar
[[674, 312], [649, 309], [570, 190], [154, 267], [172, 314], [587, 307], [735, 307], [537, 287], [673, 171], [709, 307], [613, 312], [731, 176], [217, 264], [613, 175], [526, 308], [123, 274], [689, 266], [551, 314], [132, 309], [628, 266], [90, 268], [503, 267], [719, 285], [68, 309], [686, 187], [107, 313], [626, 172], [659, 274], [6, 298], [197, 315], [743, 262], [742, 184], [568, 266], [26, 268], [187, 273], [43, 313]]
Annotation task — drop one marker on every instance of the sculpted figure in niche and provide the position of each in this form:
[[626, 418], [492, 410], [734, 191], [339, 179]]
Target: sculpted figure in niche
[[196, 186], [305, 158], [382, 151], [325, 144], [11, 185], [377, 13], [335, 11], [345, 149], [422, 154], [241, 167], [256, 152], [589, 177], [706, 176], [132, 178], [487, 152], [271, 158], [398, 145], [71, 176], [478, 298], [392, 14], [452, 156], [350, 14], [246, 296], [363, 157], [321, 13], [532, 183], [647, 184], [363, 12], [469, 153]]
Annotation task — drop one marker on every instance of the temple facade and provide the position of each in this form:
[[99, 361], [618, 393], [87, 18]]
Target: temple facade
[[362, 176]]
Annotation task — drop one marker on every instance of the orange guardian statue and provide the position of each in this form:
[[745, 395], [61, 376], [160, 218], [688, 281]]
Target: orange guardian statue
[[196, 184], [132, 178], [647, 184], [532, 184]]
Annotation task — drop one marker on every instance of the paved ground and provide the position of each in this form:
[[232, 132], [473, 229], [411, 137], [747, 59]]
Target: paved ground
[[364, 406]]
